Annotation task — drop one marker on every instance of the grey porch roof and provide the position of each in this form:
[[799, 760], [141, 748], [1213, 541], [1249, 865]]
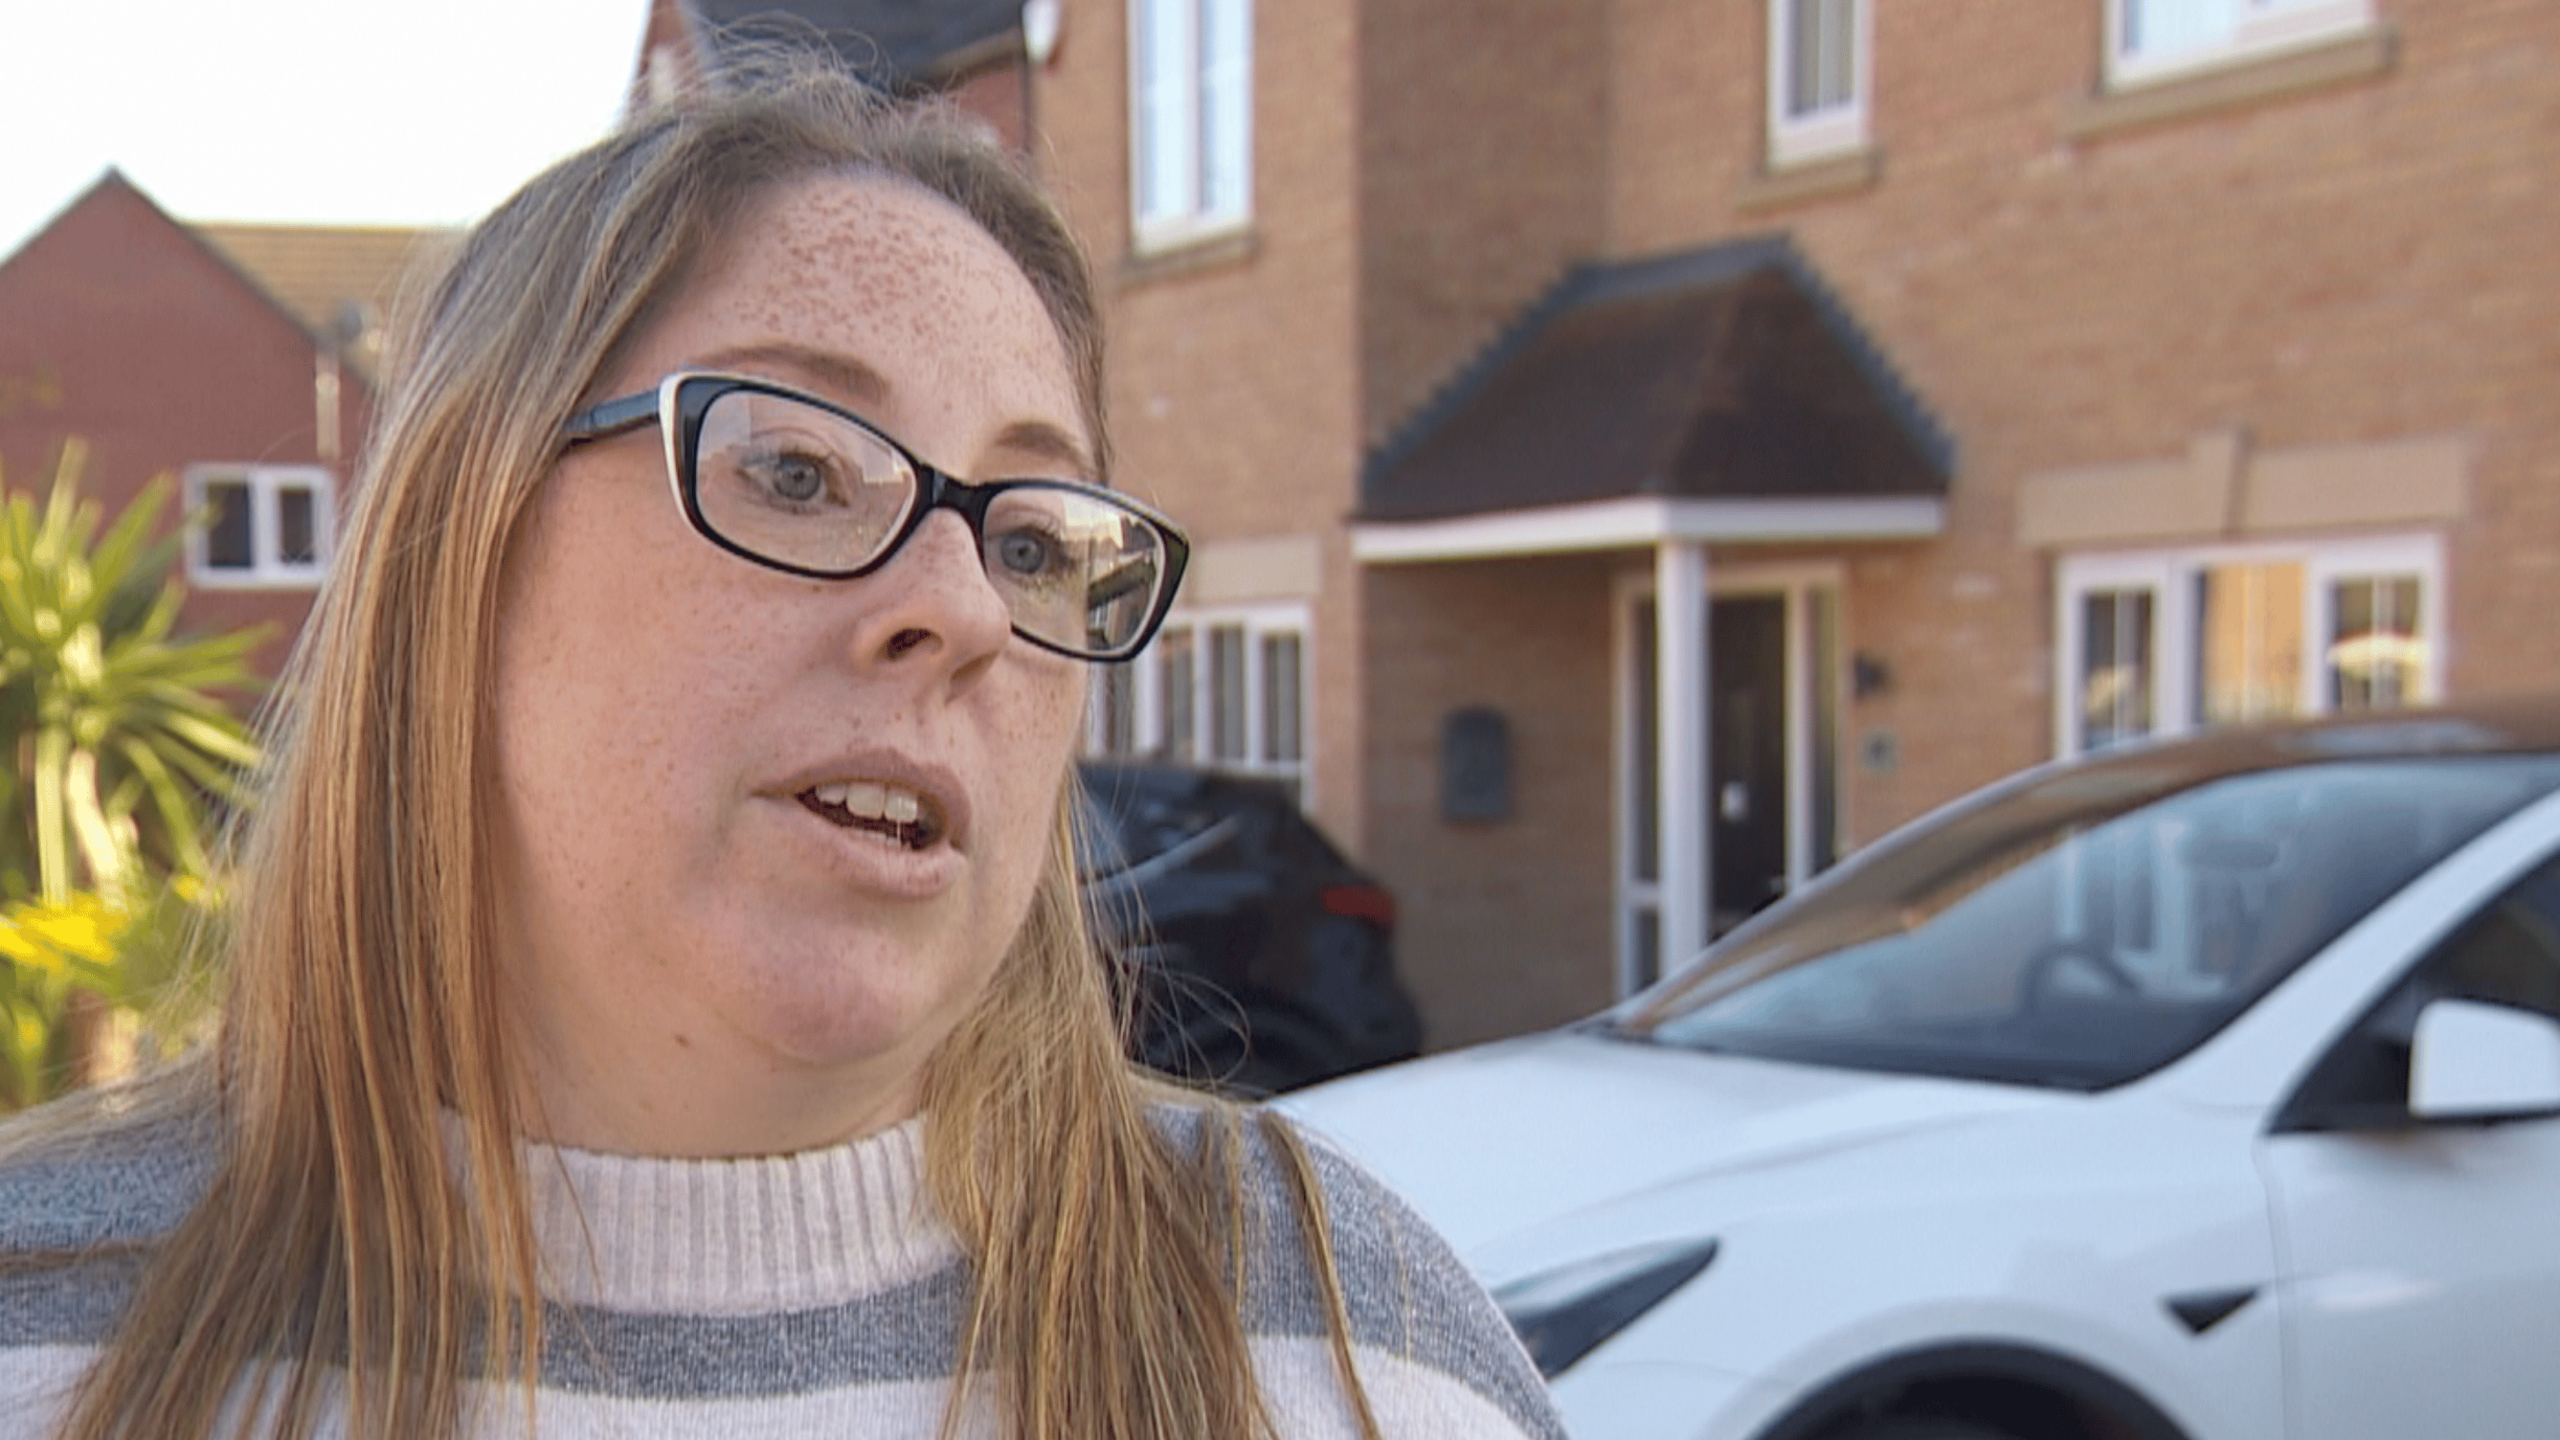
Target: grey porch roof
[[895, 41], [1728, 373]]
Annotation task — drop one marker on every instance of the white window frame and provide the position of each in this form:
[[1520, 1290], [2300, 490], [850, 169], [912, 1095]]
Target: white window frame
[[2260, 28], [1145, 673], [268, 569], [1835, 129], [1192, 103], [2170, 574]]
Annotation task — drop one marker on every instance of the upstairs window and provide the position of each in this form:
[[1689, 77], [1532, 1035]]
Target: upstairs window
[[1191, 118], [259, 526], [1818, 78], [2158, 39]]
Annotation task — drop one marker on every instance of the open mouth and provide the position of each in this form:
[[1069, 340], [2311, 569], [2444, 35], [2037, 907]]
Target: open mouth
[[895, 814]]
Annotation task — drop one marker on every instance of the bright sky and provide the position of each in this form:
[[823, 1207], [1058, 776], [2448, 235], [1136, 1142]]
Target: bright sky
[[391, 112]]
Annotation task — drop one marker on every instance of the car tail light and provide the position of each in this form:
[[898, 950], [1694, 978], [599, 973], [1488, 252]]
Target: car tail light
[[1359, 902]]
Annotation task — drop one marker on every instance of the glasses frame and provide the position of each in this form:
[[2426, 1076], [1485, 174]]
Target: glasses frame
[[680, 402]]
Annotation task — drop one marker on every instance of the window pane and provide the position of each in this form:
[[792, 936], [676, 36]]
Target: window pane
[[1226, 101], [1821, 56], [2116, 667], [1165, 67], [2167, 27], [297, 541], [2376, 659], [2249, 638], [1227, 694], [1283, 714], [1181, 734], [230, 536]]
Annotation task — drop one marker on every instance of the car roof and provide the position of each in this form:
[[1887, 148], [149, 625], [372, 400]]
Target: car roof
[[2507, 725]]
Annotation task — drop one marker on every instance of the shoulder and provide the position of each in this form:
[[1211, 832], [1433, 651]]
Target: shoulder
[[1420, 1320], [95, 1175]]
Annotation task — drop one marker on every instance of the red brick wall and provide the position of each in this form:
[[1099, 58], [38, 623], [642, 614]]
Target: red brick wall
[[1234, 382], [1501, 925], [2367, 261], [157, 354], [2364, 262], [1482, 177]]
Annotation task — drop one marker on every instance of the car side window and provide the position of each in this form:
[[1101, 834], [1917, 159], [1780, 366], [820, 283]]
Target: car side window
[[2508, 954]]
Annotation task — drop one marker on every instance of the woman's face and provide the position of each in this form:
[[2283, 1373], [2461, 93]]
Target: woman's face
[[709, 962]]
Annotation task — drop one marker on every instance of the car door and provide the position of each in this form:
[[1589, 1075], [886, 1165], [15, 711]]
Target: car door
[[2421, 1261]]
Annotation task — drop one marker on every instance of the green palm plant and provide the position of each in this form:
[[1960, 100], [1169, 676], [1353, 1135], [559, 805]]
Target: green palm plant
[[120, 747]]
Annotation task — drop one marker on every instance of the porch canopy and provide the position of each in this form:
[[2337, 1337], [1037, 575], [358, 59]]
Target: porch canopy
[[1716, 396], [1713, 395]]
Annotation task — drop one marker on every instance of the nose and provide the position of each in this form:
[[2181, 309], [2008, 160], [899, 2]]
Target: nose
[[933, 603]]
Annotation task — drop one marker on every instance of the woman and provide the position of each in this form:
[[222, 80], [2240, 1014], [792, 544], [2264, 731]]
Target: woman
[[660, 1003]]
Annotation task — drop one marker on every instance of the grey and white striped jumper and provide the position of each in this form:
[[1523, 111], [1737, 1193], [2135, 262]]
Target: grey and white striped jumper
[[809, 1295]]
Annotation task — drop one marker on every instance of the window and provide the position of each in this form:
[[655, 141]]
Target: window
[[2508, 954], [1220, 688], [1191, 110], [1817, 78], [2156, 644], [259, 525], [2154, 39]]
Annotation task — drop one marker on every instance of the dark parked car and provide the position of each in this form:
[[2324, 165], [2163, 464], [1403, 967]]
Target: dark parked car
[[1265, 960]]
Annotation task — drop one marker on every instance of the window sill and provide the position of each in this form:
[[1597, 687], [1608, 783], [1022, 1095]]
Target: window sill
[[235, 581], [1166, 259], [2360, 56], [1843, 174]]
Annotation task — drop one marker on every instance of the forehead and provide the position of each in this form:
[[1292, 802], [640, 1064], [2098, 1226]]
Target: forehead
[[897, 285]]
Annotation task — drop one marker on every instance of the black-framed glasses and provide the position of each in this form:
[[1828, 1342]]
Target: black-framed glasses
[[793, 482]]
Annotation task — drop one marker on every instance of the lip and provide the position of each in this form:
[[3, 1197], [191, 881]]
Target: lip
[[939, 784]]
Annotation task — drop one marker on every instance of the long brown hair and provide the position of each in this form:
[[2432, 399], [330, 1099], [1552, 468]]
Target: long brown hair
[[364, 1015]]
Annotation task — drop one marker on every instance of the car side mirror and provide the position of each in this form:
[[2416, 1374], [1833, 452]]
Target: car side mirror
[[2473, 1061]]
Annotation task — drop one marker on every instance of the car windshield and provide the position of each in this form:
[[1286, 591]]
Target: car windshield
[[2084, 927]]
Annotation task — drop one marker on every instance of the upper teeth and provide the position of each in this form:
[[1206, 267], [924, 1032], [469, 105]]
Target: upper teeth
[[871, 800]]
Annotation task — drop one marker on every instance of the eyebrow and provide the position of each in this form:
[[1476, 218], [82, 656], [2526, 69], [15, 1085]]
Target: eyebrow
[[865, 387]]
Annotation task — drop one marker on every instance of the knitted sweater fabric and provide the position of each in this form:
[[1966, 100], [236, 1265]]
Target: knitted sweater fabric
[[807, 1295]]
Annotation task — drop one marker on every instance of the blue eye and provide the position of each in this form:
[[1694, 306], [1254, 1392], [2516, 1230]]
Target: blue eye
[[793, 477], [1027, 553]]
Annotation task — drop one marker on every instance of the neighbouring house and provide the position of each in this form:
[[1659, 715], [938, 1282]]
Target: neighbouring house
[[236, 360], [1641, 450], [969, 50]]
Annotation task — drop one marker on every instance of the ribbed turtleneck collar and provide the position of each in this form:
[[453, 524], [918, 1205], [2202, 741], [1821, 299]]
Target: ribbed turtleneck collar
[[734, 1237]]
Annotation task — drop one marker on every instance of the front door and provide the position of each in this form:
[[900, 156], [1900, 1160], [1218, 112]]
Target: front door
[[1747, 754], [1773, 657]]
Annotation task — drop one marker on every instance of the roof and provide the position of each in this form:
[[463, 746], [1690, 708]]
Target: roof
[[1728, 373], [342, 282], [902, 41]]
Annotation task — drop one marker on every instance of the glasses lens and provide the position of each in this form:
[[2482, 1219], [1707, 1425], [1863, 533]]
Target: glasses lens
[[782, 479], [1076, 569]]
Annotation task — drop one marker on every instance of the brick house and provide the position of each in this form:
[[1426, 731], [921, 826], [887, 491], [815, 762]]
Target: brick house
[[163, 350], [972, 51], [1989, 383]]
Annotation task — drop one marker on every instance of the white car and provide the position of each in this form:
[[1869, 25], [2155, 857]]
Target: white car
[[2200, 1091]]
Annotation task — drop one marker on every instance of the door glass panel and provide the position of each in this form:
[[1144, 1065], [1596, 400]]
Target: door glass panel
[[2249, 638], [1644, 779], [1825, 820], [1747, 769], [2375, 659], [2116, 666]]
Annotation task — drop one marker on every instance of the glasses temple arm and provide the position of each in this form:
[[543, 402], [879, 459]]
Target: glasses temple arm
[[612, 418]]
